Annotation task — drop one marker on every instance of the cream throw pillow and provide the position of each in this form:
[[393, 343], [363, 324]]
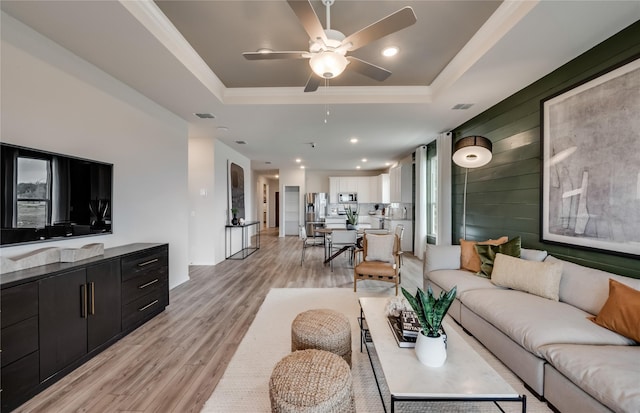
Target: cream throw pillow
[[380, 248], [539, 278]]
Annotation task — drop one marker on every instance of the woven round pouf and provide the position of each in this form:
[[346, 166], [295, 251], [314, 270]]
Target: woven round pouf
[[322, 329], [311, 381]]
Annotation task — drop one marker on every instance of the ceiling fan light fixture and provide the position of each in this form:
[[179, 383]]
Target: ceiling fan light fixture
[[328, 64], [390, 51]]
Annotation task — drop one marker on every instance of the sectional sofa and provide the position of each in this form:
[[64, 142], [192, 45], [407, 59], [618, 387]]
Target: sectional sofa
[[550, 343]]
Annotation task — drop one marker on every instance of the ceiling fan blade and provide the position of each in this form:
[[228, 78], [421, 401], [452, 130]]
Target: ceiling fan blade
[[274, 55], [367, 69], [309, 19], [404, 17], [312, 83]]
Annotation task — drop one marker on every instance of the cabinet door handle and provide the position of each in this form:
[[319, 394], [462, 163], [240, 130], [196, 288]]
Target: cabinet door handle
[[142, 264], [93, 298], [148, 284], [154, 302], [83, 307]]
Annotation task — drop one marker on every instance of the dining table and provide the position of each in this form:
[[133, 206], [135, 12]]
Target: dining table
[[328, 257]]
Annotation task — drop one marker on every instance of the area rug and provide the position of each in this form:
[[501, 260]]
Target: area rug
[[244, 386]]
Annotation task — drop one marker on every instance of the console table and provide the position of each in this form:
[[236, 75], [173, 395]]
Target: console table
[[245, 249], [55, 317]]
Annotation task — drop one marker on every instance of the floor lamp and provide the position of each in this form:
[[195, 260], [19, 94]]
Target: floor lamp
[[470, 152]]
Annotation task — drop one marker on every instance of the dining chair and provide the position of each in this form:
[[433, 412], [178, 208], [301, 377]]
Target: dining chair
[[344, 240], [302, 233], [378, 259], [399, 231]]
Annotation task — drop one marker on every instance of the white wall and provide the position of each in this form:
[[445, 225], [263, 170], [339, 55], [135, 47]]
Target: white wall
[[202, 201], [53, 100]]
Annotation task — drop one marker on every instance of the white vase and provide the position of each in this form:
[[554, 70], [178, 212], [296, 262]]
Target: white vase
[[431, 351]]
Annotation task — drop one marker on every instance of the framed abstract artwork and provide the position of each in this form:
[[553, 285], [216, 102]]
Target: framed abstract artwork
[[236, 189], [591, 163]]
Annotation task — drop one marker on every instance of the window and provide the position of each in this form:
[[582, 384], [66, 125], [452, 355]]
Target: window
[[432, 194], [33, 193]]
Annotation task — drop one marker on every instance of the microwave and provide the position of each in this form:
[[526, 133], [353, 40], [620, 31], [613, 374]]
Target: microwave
[[347, 197]]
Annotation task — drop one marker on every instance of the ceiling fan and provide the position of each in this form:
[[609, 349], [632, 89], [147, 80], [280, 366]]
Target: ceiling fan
[[328, 48]]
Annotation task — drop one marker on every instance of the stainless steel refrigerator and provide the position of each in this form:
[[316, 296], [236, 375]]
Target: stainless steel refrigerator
[[316, 211]]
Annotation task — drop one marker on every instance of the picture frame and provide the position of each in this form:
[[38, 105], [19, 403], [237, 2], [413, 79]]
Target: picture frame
[[591, 163]]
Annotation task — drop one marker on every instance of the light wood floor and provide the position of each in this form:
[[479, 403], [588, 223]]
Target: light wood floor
[[173, 362]]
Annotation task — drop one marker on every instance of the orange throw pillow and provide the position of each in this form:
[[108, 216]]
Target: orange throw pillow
[[469, 258], [621, 311]]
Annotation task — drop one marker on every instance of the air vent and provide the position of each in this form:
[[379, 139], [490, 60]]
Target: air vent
[[268, 162], [462, 106], [205, 115], [241, 142]]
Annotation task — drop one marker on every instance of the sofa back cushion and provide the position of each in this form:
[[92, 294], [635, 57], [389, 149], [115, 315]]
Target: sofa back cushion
[[587, 288], [441, 257]]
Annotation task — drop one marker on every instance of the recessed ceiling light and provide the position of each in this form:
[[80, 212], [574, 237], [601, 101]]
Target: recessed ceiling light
[[364, 159], [301, 166], [353, 140], [277, 176], [387, 163], [358, 167], [390, 51], [298, 160]]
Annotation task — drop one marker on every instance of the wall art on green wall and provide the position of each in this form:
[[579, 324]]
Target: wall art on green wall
[[591, 163]]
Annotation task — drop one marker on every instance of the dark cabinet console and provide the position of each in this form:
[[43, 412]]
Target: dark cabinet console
[[57, 316]]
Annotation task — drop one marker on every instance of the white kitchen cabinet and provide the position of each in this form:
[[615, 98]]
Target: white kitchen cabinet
[[394, 184], [363, 189], [401, 183], [384, 190], [334, 189]]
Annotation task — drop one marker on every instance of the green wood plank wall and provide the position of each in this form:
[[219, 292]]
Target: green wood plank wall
[[503, 197]]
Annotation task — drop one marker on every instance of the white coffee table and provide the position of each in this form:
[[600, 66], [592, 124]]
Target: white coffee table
[[465, 376]]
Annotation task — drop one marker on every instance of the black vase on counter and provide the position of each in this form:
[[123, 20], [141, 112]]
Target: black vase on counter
[[234, 221]]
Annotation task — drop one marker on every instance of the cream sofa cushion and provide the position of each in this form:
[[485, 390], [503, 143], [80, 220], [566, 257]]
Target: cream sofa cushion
[[533, 321], [608, 373], [539, 278]]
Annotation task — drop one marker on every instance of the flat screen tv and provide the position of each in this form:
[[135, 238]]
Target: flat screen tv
[[48, 196]]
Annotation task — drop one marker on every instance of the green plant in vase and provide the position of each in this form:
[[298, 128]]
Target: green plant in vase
[[430, 345], [352, 216]]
